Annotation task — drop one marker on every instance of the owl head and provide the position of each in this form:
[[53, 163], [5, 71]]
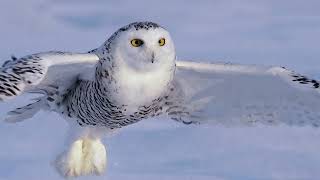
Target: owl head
[[140, 46]]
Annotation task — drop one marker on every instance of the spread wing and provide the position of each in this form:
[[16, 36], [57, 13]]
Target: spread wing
[[44, 73], [230, 94]]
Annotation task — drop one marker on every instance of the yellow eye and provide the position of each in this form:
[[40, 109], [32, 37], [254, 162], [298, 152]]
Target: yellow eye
[[162, 41], [136, 42]]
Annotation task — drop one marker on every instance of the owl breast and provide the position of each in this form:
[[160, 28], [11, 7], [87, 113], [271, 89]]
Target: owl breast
[[140, 88]]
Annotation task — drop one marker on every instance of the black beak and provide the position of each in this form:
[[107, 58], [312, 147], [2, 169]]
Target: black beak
[[152, 58]]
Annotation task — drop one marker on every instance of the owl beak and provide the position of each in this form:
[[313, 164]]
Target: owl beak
[[152, 57]]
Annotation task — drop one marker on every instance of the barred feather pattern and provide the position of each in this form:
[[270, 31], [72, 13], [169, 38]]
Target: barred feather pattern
[[90, 103], [16, 73]]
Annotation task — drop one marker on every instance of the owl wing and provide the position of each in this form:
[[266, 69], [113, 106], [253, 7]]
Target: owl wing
[[44, 73], [232, 95]]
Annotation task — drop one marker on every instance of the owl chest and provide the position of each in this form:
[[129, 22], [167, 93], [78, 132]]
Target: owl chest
[[138, 89]]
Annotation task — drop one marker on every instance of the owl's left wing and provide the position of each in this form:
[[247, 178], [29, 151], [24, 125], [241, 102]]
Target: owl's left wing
[[50, 74], [230, 94]]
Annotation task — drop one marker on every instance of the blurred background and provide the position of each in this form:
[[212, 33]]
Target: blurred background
[[266, 32]]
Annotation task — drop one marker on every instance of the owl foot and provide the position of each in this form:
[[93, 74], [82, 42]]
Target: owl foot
[[85, 157]]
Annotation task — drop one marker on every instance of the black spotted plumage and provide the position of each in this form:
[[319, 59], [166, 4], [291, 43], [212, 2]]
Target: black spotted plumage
[[305, 80], [14, 73]]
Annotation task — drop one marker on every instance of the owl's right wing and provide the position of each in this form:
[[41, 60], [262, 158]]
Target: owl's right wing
[[231, 94], [45, 73]]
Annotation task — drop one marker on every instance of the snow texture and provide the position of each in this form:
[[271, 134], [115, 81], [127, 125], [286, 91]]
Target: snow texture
[[265, 32]]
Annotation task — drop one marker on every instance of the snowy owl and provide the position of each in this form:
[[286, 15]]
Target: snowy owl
[[133, 76]]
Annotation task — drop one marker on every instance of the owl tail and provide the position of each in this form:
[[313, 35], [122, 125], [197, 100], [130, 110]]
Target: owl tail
[[26, 112]]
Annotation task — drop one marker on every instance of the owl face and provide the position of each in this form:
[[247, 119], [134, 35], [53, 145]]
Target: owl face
[[142, 47], [141, 57]]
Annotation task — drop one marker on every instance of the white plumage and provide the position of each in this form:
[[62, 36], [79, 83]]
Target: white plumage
[[248, 95], [134, 75]]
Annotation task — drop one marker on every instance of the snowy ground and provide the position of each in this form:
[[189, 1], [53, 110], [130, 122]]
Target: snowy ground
[[267, 32]]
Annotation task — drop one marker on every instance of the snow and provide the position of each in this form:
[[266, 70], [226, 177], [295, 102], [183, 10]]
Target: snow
[[265, 32]]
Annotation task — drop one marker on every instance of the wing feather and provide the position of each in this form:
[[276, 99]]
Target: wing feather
[[38, 71], [231, 94], [47, 74]]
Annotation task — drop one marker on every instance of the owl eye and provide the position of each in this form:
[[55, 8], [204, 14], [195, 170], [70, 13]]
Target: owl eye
[[162, 41], [136, 42]]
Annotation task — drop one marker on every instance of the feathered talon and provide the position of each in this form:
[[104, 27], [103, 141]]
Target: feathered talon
[[84, 157]]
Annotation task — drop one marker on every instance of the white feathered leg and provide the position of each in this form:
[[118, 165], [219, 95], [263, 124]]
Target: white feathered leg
[[86, 156], [94, 157]]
